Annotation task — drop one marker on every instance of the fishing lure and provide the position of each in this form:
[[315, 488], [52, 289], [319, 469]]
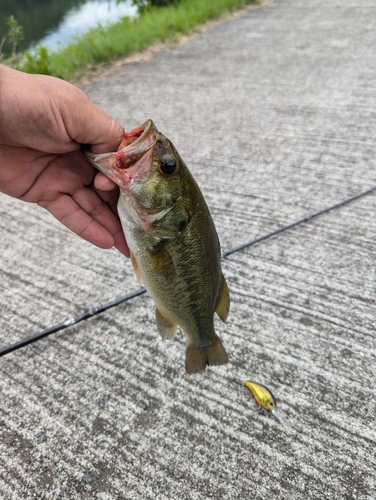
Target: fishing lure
[[266, 400]]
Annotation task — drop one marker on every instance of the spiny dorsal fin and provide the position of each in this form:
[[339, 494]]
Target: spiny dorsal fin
[[166, 326], [223, 305]]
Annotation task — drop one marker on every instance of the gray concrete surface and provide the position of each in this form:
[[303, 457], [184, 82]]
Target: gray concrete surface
[[275, 113]]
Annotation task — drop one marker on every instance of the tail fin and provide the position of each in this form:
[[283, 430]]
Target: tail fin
[[198, 357]]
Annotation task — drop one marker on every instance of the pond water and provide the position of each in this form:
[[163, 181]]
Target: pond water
[[54, 23]]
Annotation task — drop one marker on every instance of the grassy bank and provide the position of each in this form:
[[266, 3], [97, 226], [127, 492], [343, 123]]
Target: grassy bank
[[127, 37]]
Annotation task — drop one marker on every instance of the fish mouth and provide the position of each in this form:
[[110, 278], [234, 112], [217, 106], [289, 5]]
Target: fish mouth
[[133, 157], [138, 135]]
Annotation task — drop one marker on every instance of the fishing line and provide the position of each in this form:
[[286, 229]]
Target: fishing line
[[300, 221], [69, 322], [97, 310]]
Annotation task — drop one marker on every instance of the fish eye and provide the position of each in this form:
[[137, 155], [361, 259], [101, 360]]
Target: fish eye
[[168, 165]]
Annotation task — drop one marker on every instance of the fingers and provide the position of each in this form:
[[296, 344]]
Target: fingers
[[63, 189], [103, 183], [53, 116], [109, 193], [44, 122], [59, 174], [121, 244], [93, 205], [87, 123], [89, 217]]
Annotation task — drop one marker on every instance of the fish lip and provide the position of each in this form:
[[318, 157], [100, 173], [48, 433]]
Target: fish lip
[[148, 126], [95, 157]]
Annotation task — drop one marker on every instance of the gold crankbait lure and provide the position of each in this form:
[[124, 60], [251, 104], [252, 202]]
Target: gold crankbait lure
[[266, 400]]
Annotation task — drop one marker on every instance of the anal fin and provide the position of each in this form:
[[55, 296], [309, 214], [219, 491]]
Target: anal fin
[[165, 325], [223, 305], [198, 357]]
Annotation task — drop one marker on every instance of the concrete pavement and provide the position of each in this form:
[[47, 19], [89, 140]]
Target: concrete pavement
[[274, 111]]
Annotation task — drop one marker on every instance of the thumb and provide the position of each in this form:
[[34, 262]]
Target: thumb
[[87, 123]]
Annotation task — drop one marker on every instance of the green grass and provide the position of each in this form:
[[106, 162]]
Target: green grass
[[126, 37]]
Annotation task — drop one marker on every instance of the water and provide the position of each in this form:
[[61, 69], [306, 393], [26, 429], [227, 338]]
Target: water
[[54, 23], [80, 19]]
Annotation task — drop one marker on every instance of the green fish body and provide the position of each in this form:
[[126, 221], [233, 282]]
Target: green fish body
[[174, 246]]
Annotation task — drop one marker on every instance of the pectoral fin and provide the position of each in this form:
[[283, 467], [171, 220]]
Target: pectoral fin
[[161, 260], [223, 305], [166, 326], [136, 270]]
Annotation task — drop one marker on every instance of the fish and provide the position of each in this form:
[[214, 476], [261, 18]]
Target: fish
[[264, 397], [174, 246]]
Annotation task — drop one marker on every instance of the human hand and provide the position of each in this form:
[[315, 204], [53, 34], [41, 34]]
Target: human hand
[[43, 123]]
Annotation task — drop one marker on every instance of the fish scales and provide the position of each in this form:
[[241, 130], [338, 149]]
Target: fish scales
[[174, 246], [182, 295]]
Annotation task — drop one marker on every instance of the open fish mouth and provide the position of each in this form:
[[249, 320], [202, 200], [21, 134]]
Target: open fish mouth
[[133, 157], [138, 134]]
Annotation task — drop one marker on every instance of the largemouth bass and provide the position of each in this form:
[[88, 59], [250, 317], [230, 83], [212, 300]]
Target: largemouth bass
[[174, 246]]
